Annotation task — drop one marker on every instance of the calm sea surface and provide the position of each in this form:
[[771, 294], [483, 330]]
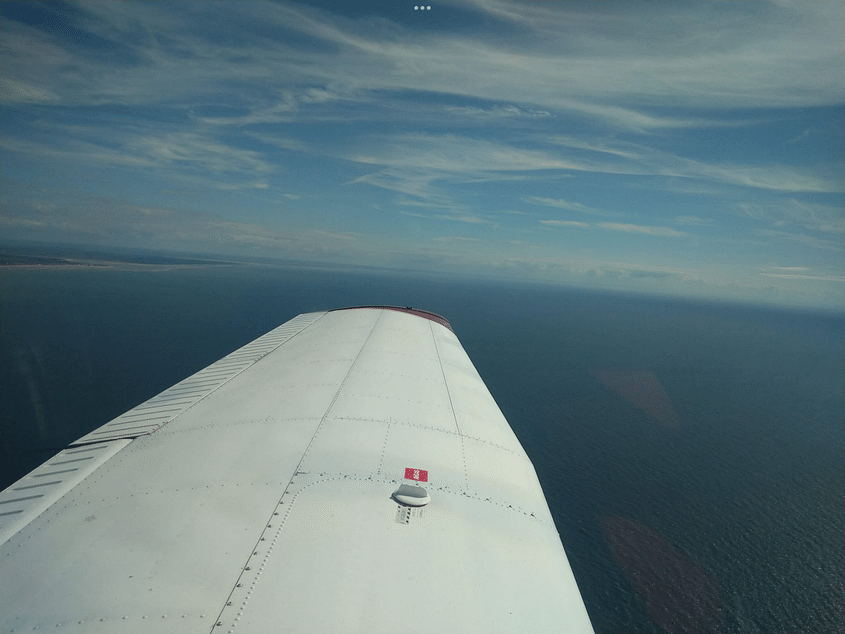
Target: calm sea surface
[[692, 454]]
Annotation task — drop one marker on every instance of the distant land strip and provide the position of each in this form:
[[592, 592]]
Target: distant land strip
[[41, 261]]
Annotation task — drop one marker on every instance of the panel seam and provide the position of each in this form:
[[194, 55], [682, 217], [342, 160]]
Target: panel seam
[[337, 394], [451, 406], [218, 621]]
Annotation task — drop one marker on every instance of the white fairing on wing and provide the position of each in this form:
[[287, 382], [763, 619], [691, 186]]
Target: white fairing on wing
[[269, 504]]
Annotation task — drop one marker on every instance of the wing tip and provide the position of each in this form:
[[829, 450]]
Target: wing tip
[[419, 312]]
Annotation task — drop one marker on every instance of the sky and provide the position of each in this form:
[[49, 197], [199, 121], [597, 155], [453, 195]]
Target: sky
[[693, 149]]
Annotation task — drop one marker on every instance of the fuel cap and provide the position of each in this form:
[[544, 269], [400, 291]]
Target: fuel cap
[[410, 495]]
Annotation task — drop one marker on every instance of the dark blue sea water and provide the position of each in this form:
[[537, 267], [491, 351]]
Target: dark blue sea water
[[725, 514]]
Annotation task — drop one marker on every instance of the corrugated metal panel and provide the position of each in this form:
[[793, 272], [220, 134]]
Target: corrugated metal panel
[[164, 407]]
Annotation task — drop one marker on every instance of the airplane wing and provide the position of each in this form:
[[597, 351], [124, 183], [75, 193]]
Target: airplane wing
[[348, 471]]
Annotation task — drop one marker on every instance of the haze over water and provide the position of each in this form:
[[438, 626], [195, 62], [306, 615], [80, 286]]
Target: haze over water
[[691, 453]]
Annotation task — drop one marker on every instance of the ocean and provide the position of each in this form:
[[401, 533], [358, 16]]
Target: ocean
[[692, 453]]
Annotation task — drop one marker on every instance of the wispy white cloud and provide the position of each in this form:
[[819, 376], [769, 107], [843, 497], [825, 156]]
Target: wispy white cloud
[[191, 67], [111, 222], [796, 276], [597, 145], [335, 235], [509, 111], [455, 154], [192, 148], [800, 238], [565, 204], [774, 177], [414, 183], [412, 159], [815, 216], [268, 103], [420, 164], [713, 55], [652, 231], [578, 269], [694, 221], [564, 223], [797, 139], [76, 150], [727, 54], [802, 273], [811, 216], [473, 220], [456, 239], [198, 157]]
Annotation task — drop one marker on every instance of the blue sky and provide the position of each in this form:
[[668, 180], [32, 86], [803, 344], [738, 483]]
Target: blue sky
[[687, 148]]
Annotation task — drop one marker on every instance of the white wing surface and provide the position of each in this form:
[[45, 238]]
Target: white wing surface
[[347, 472]]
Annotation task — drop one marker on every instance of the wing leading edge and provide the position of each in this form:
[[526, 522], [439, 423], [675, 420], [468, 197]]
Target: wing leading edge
[[269, 503]]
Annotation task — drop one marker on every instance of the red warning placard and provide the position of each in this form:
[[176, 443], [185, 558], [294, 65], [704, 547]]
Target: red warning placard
[[420, 475]]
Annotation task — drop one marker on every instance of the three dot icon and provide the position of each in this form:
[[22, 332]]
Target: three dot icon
[[421, 8]]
